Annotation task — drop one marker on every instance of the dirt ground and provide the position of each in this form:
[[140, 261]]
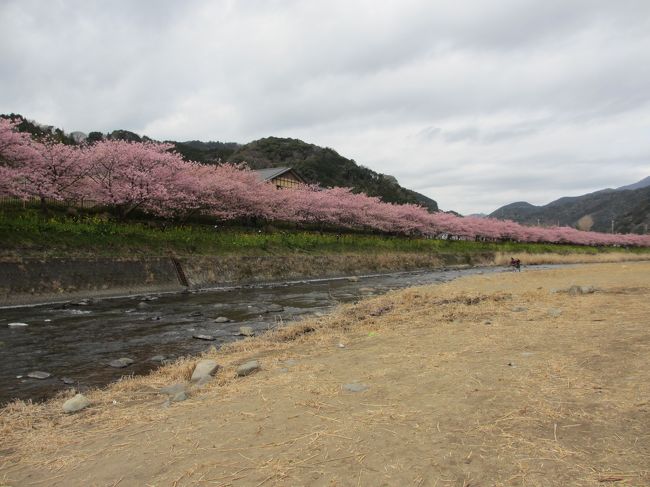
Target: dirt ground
[[502, 380]]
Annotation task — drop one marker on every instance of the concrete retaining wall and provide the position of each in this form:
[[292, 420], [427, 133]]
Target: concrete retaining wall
[[31, 281], [35, 280], [231, 270]]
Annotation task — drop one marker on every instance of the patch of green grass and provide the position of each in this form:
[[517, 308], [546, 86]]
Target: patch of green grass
[[28, 232]]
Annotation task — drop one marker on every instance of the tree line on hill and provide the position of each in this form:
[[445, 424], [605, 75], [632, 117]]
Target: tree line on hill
[[154, 178], [317, 165]]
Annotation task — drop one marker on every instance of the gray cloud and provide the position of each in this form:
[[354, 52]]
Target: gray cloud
[[476, 105]]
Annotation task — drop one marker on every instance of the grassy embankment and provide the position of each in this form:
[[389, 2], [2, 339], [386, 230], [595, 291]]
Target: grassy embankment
[[28, 233]]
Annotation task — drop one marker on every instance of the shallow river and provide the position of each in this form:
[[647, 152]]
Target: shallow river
[[75, 341]]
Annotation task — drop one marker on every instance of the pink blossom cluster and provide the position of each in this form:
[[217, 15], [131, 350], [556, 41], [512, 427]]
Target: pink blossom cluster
[[151, 177]]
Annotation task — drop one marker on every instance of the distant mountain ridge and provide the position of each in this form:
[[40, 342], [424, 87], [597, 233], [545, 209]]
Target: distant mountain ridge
[[644, 183], [318, 165], [628, 207]]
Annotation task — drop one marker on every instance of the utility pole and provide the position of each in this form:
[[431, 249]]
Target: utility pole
[[612, 225]]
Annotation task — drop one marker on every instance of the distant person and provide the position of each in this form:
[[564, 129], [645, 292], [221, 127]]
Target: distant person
[[515, 264]]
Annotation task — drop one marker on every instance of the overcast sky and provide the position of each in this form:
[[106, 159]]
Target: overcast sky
[[473, 103]]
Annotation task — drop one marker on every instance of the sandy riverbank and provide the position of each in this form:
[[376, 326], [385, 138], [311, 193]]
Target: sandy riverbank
[[488, 380]]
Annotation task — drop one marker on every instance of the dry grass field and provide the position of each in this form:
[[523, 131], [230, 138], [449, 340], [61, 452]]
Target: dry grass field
[[504, 380]]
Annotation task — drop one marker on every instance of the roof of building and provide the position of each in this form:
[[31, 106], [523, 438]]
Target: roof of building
[[274, 172]]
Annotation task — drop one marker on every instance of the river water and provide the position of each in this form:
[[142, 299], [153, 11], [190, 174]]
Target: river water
[[75, 341]]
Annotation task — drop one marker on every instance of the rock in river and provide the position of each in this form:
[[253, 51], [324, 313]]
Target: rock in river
[[38, 374], [77, 403], [120, 363], [208, 338], [17, 325], [221, 319]]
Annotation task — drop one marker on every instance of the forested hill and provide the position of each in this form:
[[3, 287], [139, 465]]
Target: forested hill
[[316, 164], [628, 208]]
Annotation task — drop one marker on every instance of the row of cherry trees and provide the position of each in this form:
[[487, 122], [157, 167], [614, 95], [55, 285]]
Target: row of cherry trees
[[153, 178]]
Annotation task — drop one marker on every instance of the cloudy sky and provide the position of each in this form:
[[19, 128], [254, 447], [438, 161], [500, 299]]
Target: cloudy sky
[[473, 103]]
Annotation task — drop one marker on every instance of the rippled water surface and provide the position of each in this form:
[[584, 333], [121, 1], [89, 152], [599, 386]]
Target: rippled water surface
[[75, 341]]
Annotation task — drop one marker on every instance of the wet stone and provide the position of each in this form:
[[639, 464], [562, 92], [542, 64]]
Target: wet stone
[[120, 363], [39, 374], [17, 325], [274, 308], [208, 338], [68, 380], [354, 387], [248, 368], [143, 305], [221, 319], [195, 313], [157, 358], [77, 403]]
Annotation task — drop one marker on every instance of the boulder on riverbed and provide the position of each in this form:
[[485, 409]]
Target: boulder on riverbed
[[204, 370], [17, 325], [274, 308], [248, 368], [579, 290], [208, 338], [355, 387], [175, 392], [246, 331], [120, 363], [77, 403], [38, 374], [221, 319]]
